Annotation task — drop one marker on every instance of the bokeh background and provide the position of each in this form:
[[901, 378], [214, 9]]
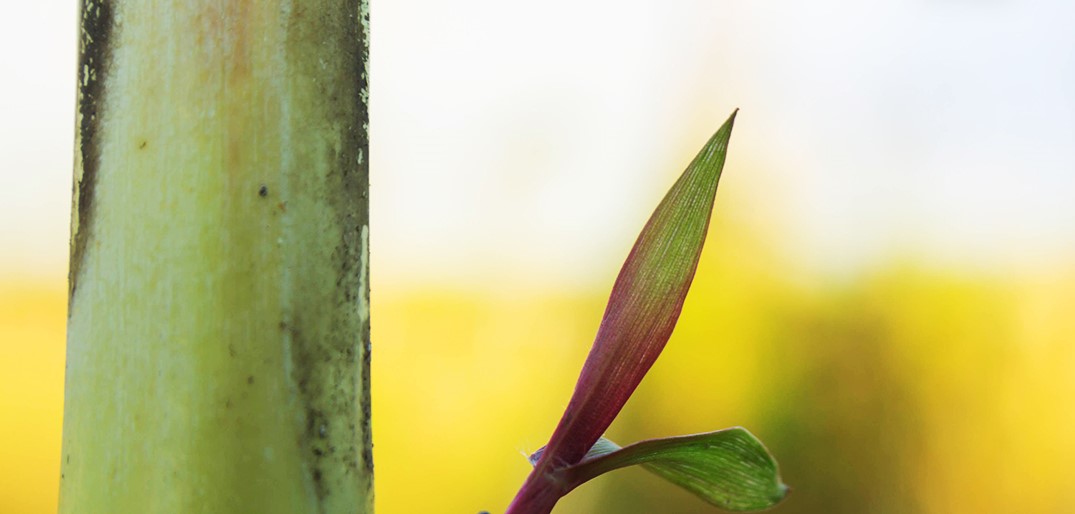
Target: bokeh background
[[887, 297]]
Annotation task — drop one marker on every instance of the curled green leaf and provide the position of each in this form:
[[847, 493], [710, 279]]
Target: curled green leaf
[[729, 468]]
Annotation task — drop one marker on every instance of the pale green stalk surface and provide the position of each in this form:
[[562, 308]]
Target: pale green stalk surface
[[218, 331]]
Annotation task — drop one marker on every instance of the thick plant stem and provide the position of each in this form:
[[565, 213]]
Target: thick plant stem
[[218, 327]]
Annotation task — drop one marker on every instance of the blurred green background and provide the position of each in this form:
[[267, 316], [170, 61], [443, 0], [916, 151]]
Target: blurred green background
[[885, 297]]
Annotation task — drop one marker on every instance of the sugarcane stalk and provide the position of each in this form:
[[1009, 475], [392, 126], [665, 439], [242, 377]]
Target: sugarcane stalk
[[218, 329]]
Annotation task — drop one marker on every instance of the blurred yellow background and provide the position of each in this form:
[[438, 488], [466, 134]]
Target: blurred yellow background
[[885, 298]]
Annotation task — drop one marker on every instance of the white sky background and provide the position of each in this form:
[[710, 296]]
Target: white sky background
[[516, 141]]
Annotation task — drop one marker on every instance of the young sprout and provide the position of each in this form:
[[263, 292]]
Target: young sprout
[[729, 468]]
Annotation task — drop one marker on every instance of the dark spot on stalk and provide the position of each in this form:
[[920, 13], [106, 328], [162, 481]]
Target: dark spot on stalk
[[250, 379], [142, 144], [263, 191]]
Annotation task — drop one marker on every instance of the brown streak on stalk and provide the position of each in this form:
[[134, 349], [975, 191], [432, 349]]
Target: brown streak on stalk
[[95, 55], [337, 354]]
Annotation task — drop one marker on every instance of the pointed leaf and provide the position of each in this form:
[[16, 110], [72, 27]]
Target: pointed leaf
[[729, 468], [644, 305]]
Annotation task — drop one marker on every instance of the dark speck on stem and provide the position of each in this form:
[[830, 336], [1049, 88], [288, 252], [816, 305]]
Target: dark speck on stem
[[263, 191]]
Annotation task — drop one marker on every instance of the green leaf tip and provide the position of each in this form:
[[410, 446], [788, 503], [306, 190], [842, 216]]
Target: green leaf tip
[[730, 468], [645, 302]]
